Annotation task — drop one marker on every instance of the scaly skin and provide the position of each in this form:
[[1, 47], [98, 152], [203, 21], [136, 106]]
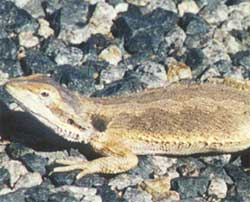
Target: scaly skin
[[178, 120]]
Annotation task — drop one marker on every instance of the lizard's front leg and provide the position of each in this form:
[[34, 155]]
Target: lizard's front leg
[[118, 158]]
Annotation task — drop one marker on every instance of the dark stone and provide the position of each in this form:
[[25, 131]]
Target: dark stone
[[144, 168], [234, 2], [13, 196], [216, 171], [198, 40], [121, 87], [94, 45], [107, 194], [62, 197], [242, 58], [63, 178], [12, 67], [195, 57], [190, 187], [36, 62], [51, 46], [92, 180], [35, 163], [189, 165], [223, 66], [73, 12], [13, 18], [241, 179], [17, 150], [8, 49], [144, 33], [77, 79], [194, 24], [37, 194], [4, 177]]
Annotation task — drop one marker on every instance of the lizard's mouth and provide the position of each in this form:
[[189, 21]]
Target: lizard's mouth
[[70, 135]]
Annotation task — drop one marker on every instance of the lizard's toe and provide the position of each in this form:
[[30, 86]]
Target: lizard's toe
[[69, 168], [70, 162]]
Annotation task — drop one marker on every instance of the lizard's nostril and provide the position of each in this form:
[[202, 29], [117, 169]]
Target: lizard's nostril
[[70, 121]]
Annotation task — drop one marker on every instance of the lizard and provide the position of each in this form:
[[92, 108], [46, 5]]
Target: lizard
[[180, 119]]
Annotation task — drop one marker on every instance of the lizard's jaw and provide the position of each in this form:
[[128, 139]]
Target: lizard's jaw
[[71, 135]]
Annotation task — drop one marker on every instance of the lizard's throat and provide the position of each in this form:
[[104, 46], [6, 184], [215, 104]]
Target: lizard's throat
[[69, 135]]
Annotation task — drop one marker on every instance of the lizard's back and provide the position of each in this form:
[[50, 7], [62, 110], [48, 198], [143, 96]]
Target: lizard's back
[[180, 119]]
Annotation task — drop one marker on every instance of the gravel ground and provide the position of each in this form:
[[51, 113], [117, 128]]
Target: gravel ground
[[115, 47]]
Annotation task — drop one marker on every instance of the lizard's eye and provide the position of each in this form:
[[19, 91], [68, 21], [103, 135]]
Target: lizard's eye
[[44, 94]]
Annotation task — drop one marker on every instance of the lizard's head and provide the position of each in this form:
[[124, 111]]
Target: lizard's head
[[52, 104]]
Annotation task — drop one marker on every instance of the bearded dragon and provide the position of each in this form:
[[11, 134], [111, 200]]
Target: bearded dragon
[[180, 119]]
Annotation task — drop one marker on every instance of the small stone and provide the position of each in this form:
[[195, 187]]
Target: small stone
[[132, 194], [152, 74], [111, 74], [4, 177], [215, 12], [157, 186], [175, 37], [190, 187], [36, 62], [188, 7], [218, 188], [112, 54], [139, 2], [37, 193], [164, 4], [27, 39], [242, 58], [13, 196], [123, 181], [92, 199], [215, 52], [178, 71], [63, 178], [194, 24], [121, 7], [77, 191], [17, 150], [35, 163], [9, 13], [107, 194], [76, 78], [10, 68], [44, 28], [230, 44], [16, 170], [29, 180], [121, 87], [162, 163], [103, 13], [69, 55], [91, 180], [8, 49], [62, 197]]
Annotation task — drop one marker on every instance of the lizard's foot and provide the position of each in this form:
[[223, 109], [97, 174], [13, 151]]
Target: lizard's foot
[[82, 165]]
